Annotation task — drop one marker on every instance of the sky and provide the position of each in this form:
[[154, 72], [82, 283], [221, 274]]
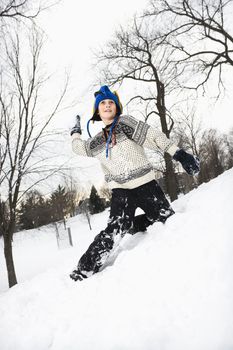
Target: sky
[[75, 30]]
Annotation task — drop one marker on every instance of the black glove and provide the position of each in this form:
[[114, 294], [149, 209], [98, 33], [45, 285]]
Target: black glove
[[190, 163], [77, 127]]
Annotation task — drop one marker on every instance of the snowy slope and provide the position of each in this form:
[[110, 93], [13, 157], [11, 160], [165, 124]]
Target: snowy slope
[[168, 289]]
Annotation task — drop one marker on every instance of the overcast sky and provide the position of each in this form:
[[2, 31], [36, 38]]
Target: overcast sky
[[75, 29]]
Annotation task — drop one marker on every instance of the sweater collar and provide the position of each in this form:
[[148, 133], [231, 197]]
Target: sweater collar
[[107, 127]]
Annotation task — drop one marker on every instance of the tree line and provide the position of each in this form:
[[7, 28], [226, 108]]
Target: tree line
[[37, 209], [214, 149]]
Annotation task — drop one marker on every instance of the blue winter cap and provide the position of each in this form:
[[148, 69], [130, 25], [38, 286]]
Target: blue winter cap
[[105, 93]]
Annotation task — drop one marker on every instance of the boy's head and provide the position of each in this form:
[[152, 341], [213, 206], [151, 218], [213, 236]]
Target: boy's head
[[107, 105]]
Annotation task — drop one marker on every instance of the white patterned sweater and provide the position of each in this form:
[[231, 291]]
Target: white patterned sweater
[[127, 165]]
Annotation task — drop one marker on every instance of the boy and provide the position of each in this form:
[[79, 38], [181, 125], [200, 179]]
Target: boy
[[120, 150]]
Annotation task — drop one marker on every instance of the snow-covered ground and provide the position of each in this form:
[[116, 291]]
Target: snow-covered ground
[[168, 289]]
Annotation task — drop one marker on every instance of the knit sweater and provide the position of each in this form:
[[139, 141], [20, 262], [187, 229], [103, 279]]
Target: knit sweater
[[127, 165]]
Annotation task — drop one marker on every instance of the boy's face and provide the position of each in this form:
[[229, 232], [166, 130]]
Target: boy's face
[[107, 111]]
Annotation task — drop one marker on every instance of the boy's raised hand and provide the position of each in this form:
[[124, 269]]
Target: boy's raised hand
[[190, 163], [77, 128]]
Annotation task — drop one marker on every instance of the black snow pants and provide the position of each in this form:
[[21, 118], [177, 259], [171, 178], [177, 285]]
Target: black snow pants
[[149, 197]]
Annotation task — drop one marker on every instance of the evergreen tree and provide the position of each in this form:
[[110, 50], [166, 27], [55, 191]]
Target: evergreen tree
[[96, 203], [34, 211], [59, 203]]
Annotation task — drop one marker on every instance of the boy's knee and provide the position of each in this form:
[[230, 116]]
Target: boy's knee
[[100, 236], [162, 215], [104, 240]]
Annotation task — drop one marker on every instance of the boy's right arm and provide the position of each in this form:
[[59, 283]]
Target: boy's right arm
[[79, 146]]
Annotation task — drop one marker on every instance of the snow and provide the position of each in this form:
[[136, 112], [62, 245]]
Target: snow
[[167, 289]]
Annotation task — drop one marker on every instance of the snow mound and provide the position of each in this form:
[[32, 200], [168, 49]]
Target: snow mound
[[168, 289]]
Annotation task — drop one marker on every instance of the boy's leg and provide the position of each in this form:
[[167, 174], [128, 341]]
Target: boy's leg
[[119, 222], [151, 198], [140, 224]]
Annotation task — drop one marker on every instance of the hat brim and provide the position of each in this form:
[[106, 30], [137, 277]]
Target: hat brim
[[96, 117]]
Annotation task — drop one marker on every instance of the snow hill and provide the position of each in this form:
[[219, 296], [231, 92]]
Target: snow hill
[[168, 289]]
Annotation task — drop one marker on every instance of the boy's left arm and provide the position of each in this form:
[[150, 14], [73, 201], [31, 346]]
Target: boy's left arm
[[157, 138], [152, 138]]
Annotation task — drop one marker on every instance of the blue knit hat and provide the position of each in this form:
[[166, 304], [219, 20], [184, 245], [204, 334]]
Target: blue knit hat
[[105, 93]]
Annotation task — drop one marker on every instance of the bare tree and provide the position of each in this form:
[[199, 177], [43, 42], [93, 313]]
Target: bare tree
[[212, 150], [74, 191], [24, 135], [137, 53], [229, 143], [200, 32], [105, 193], [188, 131], [17, 9], [20, 10]]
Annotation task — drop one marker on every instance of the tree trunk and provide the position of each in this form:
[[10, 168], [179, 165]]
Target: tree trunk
[[170, 178], [9, 260]]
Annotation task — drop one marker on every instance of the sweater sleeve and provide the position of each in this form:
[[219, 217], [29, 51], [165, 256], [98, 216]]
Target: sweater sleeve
[[147, 136], [81, 147]]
